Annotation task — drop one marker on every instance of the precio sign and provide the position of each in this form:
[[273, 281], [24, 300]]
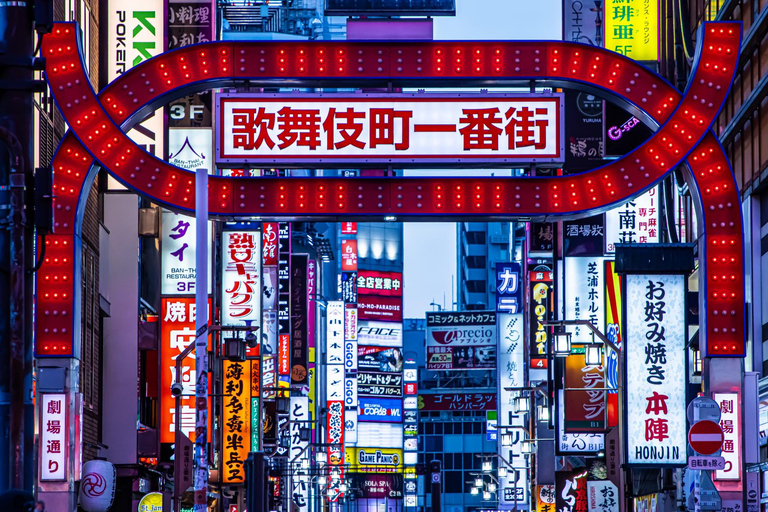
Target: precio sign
[[386, 128]]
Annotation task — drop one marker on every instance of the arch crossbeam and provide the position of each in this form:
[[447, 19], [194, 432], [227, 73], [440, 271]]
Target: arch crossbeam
[[98, 123]]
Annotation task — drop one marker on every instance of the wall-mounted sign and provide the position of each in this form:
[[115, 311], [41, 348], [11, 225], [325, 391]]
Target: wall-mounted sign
[[585, 400], [350, 323], [54, 439], [236, 420], [349, 287], [299, 319], [511, 371], [571, 490], [373, 282], [508, 287], [633, 29], [335, 332], [350, 356], [178, 246], [656, 370], [574, 443], [458, 402], [463, 340], [270, 247], [402, 128], [335, 381], [350, 426], [461, 358], [334, 436], [379, 384], [388, 410], [583, 23], [349, 228], [349, 255], [380, 435], [241, 289], [378, 486], [541, 309], [385, 334], [374, 460], [633, 222], [350, 391], [730, 423], [584, 289], [190, 148], [379, 359], [300, 478], [584, 237], [390, 7], [387, 309]]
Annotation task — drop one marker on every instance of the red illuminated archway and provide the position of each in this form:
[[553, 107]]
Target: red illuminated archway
[[97, 124]]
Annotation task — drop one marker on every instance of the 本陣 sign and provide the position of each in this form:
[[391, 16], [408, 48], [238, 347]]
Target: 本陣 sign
[[403, 128], [632, 28], [656, 370]]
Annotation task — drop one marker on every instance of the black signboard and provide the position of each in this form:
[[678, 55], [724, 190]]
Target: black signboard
[[377, 486], [623, 131], [299, 340], [390, 7], [584, 237], [269, 423], [541, 237], [349, 287], [583, 131], [379, 359], [379, 384]]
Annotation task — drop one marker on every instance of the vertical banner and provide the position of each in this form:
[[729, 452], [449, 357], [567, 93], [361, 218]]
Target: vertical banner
[[270, 291], [54, 429], [177, 330], [613, 326], [299, 324], [235, 421], [602, 496], [349, 255], [632, 29], [255, 380], [633, 222], [311, 319], [335, 436], [571, 491], [656, 373], [512, 488], [541, 306], [583, 129], [508, 287], [241, 278], [299, 453], [335, 332], [585, 400], [584, 288], [178, 246], [541, 238], [730, 423]]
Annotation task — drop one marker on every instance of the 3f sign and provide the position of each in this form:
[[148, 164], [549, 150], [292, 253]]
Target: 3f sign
[[179, 111]]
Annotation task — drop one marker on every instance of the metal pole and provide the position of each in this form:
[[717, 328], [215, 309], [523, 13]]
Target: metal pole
[[201, 341], [177, 434]]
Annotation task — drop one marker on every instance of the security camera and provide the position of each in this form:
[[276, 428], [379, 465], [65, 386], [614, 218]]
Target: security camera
[[176, 389], [251, 339]]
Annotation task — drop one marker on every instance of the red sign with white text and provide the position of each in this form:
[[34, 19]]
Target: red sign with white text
[[284, 355], [385, 128], [387, 309], [269, 240], [349, 228], [349, 255], [373, 282]]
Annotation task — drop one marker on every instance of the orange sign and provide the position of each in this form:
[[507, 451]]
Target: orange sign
[[177, 330], [236, 420]]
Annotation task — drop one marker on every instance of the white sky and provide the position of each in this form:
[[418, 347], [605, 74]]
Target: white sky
[[430, 248]]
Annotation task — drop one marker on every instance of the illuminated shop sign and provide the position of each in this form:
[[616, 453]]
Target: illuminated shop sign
[[399, 128], [241, 277]]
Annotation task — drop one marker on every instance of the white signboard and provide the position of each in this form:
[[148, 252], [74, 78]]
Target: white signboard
[[178, 248], [300, 419], [241, 277], [135, 33], [511, 375], [335, 333], [190, 148], [350, 324], [730, 415], [379, 435], [602, 496], [335, 382], [402, 128], [53, 437], [633, 222], [350, 391], [656, 372], [584, 295], [410, 375], [380, 334]]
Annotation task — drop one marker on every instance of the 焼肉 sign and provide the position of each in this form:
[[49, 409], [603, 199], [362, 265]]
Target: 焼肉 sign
[[403, 128]]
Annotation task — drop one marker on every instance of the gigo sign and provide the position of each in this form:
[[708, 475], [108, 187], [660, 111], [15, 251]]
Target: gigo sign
[[382, 128]]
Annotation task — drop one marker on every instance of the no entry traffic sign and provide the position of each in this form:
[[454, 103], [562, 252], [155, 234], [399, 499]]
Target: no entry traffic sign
[[705, 437]]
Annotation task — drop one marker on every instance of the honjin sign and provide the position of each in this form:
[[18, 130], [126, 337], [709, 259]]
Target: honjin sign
[[403, 128]]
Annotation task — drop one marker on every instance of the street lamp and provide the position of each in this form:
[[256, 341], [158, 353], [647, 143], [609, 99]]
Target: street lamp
[[321, 457], [522, 404], [492, 487], [506, 439], [528, 447], [474, 491], [593, 355], [543, 413], [479, 481], [562, 343], [487, 466], [486, 495], [502, 471]]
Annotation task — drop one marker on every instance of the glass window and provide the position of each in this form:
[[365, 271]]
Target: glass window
[[433, 443]]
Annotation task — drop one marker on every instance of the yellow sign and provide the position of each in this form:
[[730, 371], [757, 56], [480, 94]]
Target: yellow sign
[[374, 460], [152, 502], [236, 420], [632, 28]]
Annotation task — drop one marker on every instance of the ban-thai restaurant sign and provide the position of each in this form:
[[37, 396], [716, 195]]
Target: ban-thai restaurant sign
[[385, 128]]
